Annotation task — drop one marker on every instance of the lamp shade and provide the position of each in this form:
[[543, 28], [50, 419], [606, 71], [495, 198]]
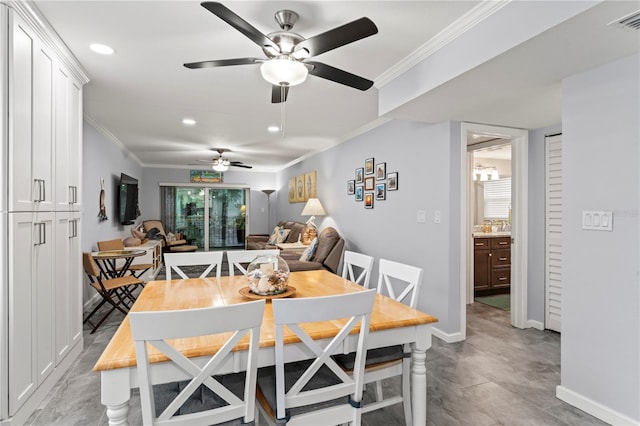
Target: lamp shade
[[313, 208], [284, 72]]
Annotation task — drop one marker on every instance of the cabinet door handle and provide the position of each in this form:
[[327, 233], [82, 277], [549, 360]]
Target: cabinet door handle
[[502, 279], [42, 234], [479, 244], [502, 258], [41, 190], [502, 243], [73, 194]]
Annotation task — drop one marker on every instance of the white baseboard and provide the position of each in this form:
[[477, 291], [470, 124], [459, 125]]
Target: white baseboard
[[534, 324], [447, 337], [596, 409]]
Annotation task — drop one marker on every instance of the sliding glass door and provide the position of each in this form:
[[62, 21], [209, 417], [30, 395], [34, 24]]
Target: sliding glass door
[[213, 218]]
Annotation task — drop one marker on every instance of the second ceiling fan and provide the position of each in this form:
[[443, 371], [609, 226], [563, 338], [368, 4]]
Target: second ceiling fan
[[286, 64], [222, 164]]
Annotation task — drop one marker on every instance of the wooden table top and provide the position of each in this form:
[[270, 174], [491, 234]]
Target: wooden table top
[[207, 292], [117, 254]]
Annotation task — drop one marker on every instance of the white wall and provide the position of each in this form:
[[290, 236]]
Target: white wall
[[601, 296], [421, 154]]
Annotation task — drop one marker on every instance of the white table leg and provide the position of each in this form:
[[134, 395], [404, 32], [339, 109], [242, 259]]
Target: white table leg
[[116, 392], [418, 386]]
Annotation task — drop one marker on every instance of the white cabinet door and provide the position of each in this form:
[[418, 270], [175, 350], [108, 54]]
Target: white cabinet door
[[68, 293], [31, 325], [43, 279], [20, 121], [22, 374], [68, 140]]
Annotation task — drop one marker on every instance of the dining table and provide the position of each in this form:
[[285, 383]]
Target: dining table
[[115, 263], [391, 323]]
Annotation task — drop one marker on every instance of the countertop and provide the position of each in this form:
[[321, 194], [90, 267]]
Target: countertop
[[491, 234]]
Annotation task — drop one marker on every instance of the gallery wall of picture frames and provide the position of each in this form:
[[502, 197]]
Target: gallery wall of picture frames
[[372, 182], [302, 187]]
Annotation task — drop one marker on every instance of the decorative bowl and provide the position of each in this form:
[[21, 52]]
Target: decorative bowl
[[268, 275]]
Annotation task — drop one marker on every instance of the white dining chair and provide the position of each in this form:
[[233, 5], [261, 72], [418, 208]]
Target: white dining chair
[[210, 259], [400, 282], [330, 395], [236, 258], [362, 264], [197, 401]]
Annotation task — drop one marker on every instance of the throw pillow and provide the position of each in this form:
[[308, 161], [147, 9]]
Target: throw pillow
[[274, 235], [308, 253], [281, 235]]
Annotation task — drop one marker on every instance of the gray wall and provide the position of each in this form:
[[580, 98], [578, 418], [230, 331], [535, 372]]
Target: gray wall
[[428, 181], [601, 297], [103, 158]]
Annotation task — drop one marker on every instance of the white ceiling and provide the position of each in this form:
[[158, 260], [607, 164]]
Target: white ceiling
[[140, 94]]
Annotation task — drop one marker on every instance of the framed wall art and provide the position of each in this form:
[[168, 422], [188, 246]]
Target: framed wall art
[[368, 200], [392, 181], [310, 185], [359, 174], [359, 193], [381, 171], [381, 192], [369, 183], [368, 166], [205, 176], [292, 190], [300, 194], [351, 187]]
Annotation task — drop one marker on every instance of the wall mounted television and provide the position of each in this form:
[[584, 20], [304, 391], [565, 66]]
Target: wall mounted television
[[128, 200]]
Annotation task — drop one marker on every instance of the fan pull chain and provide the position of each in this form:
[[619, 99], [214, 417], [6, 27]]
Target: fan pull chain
[[282, 108]]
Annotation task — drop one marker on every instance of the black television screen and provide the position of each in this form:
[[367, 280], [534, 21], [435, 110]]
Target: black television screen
[[128, 206]]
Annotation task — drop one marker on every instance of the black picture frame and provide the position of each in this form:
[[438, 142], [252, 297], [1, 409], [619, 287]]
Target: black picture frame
[[381, 171], [381, 191], [359, 175], [359, 193], [351, 187], [368, 200], [392, 181], [368, 166]]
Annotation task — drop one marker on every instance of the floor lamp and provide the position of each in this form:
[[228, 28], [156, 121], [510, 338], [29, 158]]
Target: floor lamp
[[268, 192]]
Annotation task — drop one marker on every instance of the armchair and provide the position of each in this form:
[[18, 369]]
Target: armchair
[[167, 245], [327, 255]]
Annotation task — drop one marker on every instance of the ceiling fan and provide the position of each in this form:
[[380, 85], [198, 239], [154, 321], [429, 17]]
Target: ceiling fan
[[222, 164], [287, 52]]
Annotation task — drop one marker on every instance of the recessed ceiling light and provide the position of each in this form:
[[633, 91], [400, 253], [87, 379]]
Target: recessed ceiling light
[[102, 49], [273, 129], [188, 121]]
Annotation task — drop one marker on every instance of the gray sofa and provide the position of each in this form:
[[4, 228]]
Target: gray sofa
[[260, 241], [328, 252]]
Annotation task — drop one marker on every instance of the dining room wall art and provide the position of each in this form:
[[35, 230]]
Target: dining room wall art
[[372, 182], [302, 187]]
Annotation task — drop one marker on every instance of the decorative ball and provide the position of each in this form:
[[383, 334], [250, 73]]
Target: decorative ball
[[131, 242], [268, 275]]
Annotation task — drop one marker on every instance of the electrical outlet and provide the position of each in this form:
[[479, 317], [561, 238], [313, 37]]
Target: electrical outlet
[[597, 220]]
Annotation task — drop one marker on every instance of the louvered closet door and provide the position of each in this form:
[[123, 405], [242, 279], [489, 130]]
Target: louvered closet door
[[553, 233]]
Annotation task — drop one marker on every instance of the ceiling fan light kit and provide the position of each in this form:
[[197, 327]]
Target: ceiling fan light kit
[[284, 72]]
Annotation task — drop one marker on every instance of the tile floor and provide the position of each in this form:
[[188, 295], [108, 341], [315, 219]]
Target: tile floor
[[499, 376]]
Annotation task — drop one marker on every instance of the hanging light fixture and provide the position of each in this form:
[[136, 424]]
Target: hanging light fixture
[[284, 71], [220, 164]]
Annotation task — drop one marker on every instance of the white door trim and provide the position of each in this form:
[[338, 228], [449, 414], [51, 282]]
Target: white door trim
[[519, 161]]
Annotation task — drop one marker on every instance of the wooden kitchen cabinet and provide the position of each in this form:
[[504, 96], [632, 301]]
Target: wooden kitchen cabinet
[[491, 265]]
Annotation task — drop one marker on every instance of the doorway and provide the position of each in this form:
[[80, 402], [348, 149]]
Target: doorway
[[519, 196]]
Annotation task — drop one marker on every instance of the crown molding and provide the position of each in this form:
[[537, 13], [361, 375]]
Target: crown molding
[[454, 30], [106, 133], [36, 20]]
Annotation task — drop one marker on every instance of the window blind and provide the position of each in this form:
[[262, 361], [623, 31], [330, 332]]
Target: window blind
[[497, 198]]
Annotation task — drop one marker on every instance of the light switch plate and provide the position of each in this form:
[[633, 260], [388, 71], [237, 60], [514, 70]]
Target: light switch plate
[[421, 216], [597, 220]]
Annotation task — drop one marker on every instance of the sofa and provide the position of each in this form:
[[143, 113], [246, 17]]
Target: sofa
[[261, 241], [328, 253]]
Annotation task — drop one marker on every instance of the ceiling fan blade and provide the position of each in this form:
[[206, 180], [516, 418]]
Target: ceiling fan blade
[[206, 161], [339, 36], [222, 12], [276, 94], [222, 63], [339, 76], [245, 166]]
